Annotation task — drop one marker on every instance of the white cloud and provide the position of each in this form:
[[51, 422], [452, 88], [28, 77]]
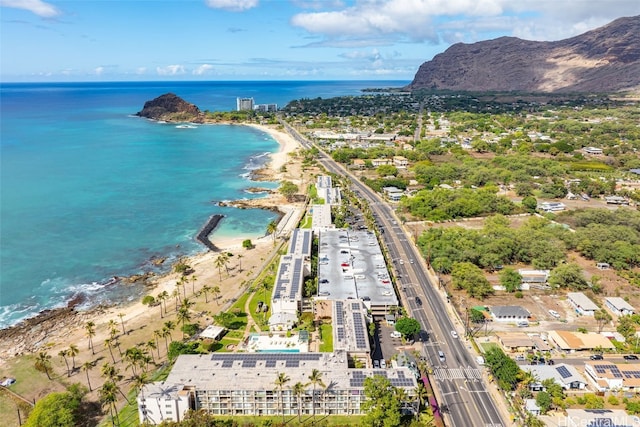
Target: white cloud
[[203, 69], [38, 7], [98, 71], [232, 5], [171, 70], [460, 20], [141, 70]]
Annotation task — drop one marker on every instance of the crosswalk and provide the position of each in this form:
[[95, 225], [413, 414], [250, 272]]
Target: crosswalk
[[457, 374]]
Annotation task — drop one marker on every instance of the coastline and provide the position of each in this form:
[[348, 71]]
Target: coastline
[[51, 328]]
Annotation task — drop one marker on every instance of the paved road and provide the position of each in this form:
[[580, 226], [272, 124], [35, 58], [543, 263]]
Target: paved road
[[464, 398]]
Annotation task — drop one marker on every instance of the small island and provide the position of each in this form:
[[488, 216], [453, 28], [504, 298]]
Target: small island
[[171, 108]]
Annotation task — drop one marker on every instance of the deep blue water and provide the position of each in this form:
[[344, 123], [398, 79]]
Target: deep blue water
[[88, 192]]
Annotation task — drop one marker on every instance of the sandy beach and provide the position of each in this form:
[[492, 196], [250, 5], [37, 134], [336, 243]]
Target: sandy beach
[[68, 327]]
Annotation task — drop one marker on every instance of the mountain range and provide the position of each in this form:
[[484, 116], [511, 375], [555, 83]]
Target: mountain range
[[603, 60]]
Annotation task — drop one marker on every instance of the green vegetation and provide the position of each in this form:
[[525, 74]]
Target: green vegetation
[[382, 404], [407, 326], [505, 370], [58, 409], [326, 335]]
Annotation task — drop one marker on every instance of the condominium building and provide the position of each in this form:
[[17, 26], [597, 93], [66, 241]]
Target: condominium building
[[247, 384]]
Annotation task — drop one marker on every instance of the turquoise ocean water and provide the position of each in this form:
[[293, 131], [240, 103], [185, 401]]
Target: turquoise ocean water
[[88, 192]]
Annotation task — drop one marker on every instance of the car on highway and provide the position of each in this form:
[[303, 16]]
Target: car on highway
[[454, 334], [418, 301], [630, 357], [596, 357], [411, 261], [401, 261]]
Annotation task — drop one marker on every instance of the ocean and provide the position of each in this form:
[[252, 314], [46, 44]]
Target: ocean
[[89, 192]]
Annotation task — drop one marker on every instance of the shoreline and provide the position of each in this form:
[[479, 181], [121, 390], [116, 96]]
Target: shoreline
[[51, 325]]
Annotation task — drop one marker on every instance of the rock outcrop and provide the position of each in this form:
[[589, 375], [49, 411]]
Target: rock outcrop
[[171, 108], [603, 60]]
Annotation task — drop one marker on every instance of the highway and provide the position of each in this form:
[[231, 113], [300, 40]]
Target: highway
[[463, 396]]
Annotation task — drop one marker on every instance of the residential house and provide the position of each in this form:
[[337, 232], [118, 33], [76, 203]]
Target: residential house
[[393, 193], [380, 162], [593, 151], [566, 376], [400, 161], [577, 341], [358, 163], [613, 376], [582, 304], [619, 306], [515, 342], [532, 407], [551, 206], [509, 313]]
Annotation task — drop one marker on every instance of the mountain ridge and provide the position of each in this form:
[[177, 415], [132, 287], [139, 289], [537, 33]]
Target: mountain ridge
[[603, 60]]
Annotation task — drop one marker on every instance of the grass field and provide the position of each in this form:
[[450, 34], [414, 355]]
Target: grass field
[[327, 338]]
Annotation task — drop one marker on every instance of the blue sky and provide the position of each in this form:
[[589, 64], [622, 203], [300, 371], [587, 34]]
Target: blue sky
[[111, 40]]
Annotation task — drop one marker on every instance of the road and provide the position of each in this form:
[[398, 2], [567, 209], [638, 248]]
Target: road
[[464, 398]]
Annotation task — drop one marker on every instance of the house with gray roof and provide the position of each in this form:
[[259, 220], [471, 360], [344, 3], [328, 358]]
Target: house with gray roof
[[566, 376], [582, 304], [509, 313], [619, 306]]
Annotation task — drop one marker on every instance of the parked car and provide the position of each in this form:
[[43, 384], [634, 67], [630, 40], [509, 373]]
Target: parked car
[[596, 357], [383, 363], [554, 314], [324, 281], [376, 363], [630, 357], [7, 382], [396, 334], [551, 362]]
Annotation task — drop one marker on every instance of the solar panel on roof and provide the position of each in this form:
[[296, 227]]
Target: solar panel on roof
[[563, 371]]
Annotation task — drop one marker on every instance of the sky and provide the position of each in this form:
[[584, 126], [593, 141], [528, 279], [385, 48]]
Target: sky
[[144, 40]]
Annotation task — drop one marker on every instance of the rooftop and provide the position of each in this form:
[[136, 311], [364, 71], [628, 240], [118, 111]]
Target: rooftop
[[582, 301]]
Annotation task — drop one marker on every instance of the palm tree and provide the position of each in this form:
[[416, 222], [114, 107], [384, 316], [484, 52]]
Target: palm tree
[[316, 380], [157, 334], [64, 354], [271, 229], [170, 325], [181, 283], [86, 367], [220, 262], [163, 297], [121, 316], [43, 363], [90, 327], [176, 295], [240, 256], [109, 343], [73, 352], [166, 333], [280, 382], [183, 316], [113, 328], [138, 382], [216, 293], [133, 357], [194, 279], [205, 290], [112, 374], [109, 397], [152, 345], [298, 389]]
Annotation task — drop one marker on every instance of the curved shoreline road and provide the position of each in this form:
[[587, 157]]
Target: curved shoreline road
[[463, 395]]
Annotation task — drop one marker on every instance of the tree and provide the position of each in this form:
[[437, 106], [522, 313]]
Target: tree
[[387, 170], [216, 293], [221, 261], [568, 276], [288, 189], [543, 400], [281, 380], [109, 397], [247, 244], [183, 316], [272, 227], [63, 354], [530, 204], [206, 290], [73, 352], [407, 326], [43, 363], [602, 317], [504, 369], [465, 275], [86, 367], [510, 279], [298, 390], [240, 256], [109, 344], [315, 379], [121, 316], [382, 408], [90, 327], [56, 410]]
